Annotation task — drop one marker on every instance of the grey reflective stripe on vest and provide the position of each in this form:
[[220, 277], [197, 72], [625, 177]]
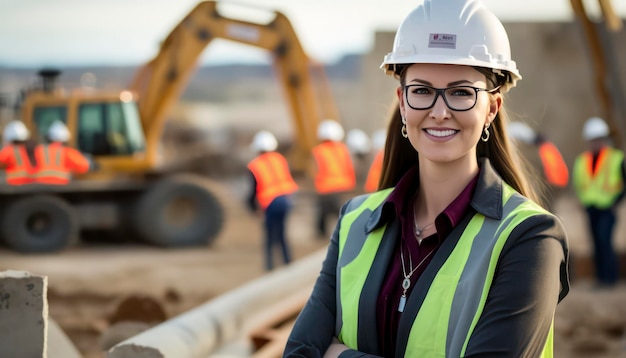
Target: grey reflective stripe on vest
[[350, 252], [57, 157], [47, 172], [466, 302], [18, 156]]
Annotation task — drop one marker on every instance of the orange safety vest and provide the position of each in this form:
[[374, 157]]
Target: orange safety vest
[[273, 178], [335, 172], [373, 176], [56, 163], [17, 165], [554, 166]]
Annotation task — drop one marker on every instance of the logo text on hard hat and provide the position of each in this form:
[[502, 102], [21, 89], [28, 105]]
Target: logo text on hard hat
[[442, 41]]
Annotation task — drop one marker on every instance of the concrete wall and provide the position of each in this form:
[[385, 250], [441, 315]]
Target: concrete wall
[[23, 314]]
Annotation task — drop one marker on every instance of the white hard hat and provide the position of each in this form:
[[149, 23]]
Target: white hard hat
[[594, 128], [58, 132], [330, 130], [379, 138], [15, 131], [455, 32], [522, 132], [358, 142], [264, 141]]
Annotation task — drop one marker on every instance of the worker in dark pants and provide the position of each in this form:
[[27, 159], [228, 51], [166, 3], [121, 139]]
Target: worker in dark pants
[[271, 188], [599, 178], [334, 173]]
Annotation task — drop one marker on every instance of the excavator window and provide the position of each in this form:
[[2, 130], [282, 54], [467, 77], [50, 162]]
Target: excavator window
[[44, 116], [109, 129]]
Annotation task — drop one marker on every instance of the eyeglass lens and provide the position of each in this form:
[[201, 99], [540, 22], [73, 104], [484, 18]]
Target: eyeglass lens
[[460, 98]]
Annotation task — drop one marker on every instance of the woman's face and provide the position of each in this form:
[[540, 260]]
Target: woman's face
[[440, 134]]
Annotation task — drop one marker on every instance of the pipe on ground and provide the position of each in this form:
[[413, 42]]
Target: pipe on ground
[[200, 331]]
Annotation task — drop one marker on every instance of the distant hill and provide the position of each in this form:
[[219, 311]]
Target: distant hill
[[200, 87]]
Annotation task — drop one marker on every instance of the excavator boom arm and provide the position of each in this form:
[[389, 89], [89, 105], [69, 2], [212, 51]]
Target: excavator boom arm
[[160, 82]]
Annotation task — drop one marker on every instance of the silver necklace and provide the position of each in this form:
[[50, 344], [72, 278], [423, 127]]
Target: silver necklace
[[406, 283], [420, 230]]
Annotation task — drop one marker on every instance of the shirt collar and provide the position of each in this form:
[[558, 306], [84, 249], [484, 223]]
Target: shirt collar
[[484, 194]]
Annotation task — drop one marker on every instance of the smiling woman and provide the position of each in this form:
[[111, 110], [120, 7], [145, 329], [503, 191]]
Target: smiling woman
[[452, 256]]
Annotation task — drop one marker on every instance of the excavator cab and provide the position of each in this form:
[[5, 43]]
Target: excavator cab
[[109, 128], [103, 125]]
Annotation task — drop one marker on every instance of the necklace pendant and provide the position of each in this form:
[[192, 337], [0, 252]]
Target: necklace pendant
[[406, 283], [418, 232], [402, 303]]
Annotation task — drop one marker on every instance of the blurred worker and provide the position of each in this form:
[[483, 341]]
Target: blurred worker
[[334, 173], [358, 143], [17, 157], [599, 177], [376, 168], [56, 161], [553, 165], [272, 185], [360, 147]]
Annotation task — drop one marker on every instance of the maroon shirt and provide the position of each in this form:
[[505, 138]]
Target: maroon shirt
[[401, 198]]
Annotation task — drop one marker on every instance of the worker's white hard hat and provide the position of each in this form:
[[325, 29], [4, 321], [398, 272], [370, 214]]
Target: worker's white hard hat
[[456, 32], [358, 142], [379, 138], [522, 132], [58, 132], [15, 131], [594, 128], [264, 141], [330, 130]]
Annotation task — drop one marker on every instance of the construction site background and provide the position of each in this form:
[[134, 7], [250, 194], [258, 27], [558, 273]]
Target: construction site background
[[222, 109]]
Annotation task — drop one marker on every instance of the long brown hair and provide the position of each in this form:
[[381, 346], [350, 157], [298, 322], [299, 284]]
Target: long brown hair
[[400, 155]]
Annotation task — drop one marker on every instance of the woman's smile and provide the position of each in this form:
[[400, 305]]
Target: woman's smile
[[440, 134]]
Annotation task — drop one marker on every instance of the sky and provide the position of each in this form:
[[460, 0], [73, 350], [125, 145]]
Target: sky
[[128, 32]]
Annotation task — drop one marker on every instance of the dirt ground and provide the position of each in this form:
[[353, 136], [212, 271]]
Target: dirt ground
[[87, 282]]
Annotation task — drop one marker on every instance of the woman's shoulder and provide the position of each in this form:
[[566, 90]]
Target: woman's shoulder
[[368, 200]]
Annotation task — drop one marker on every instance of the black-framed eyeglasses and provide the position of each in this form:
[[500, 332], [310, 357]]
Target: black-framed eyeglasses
[[457, 98]]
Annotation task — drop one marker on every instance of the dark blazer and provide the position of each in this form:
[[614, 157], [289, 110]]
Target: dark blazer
[[531, 278]]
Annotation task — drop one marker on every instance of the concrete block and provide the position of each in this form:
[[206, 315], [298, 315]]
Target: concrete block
[[23, 314]]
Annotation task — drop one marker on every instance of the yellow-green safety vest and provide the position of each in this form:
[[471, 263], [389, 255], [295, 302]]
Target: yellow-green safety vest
[[456, 298], [602, 188]]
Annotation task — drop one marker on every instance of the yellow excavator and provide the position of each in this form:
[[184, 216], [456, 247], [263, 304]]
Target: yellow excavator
[[130, 194]]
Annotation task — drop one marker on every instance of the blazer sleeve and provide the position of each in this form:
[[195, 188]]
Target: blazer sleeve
[[530, 279], [314, 328]]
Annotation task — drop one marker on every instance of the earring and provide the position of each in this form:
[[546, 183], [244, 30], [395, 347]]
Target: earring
[[403, 131], [486, 133]]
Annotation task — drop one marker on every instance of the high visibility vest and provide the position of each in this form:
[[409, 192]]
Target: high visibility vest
[[56, 163], [599, 188], [373, 176], [456, 297], [554, 166], [18, 166], [335, 172], [273, 178]]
